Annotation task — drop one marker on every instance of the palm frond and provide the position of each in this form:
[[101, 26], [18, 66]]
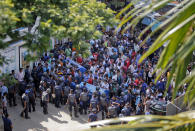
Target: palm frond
[[177, 26], [182, 121]]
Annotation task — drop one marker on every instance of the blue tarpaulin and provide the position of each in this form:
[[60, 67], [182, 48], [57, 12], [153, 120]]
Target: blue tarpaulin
[[81, 68], [92, 88], [149, 20]]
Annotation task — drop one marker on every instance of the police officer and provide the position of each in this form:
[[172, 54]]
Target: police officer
[[25, 100], [65, 92], [41, 89], [77, 93], [103, 105], [31, 96], [83, 101], [45, 99], [93, 115], [112, 111], [123, 113], [94, 103], [12, 95], [127, 109], [98, 92], [72, 103], [58, 94]]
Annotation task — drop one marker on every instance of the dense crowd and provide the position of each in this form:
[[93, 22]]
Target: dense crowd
[[123, 86]]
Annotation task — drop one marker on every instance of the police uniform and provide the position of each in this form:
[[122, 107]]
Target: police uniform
[[58, 93], [45, 99], [65, 90], [103, 105], [94, 103], [31, 99], [25, 101], [112, 111], [41, 89], [72, 103], [12, 95], [78, 91], [83, 102]]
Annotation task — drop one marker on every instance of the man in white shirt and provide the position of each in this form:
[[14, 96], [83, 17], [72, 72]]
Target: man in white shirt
[[20, 75], [132, 68]]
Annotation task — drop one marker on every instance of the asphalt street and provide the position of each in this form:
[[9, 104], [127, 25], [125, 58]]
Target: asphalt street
[[58, 119]]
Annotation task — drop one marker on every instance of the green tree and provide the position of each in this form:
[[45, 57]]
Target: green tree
[[8, 20], [73, 19]]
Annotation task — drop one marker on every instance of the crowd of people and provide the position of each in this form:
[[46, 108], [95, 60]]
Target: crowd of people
[[128, 87]]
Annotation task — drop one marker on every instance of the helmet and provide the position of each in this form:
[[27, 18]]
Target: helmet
[[94, 110], [41, 82], [97, 88], [123, 111], [84, 89], [27, 91], [122, 93], [28, 85], [78, 86], [103, 95], [48, 90]]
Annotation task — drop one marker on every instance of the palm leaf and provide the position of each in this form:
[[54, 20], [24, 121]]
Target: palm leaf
[[177, 31], [182, 121]]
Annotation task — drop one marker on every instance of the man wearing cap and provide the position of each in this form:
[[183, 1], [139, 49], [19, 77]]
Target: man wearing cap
[[25, 102], [45, 100]]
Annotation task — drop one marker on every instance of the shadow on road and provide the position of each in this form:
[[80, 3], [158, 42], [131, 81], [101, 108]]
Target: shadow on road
[[57, 119]]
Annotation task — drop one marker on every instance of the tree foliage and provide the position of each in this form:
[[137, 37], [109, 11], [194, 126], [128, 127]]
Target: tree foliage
[[73, 19]]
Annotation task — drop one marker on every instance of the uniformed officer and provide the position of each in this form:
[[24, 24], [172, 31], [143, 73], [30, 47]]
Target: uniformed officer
[[58, 94], [72, 103], [31, 96], [103, 105], [112, 111], [77, 93], [83, 101], [123, 113], [94, 103], [65, 92], [45, 99], [93, 115], [12, 95], [25, 100], [41, 89], [98, 92], [127, 109]]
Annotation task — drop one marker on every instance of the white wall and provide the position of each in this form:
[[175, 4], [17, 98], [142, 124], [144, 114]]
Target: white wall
[[11, 53]]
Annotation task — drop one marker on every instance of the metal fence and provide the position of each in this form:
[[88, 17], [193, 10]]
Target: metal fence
[[178, 106]]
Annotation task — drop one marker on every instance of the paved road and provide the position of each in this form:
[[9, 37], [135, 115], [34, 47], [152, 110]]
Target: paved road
[[58, 119]]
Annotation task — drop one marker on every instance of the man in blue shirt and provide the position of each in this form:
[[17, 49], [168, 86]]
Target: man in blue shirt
[[93, 116], [7, 122]]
